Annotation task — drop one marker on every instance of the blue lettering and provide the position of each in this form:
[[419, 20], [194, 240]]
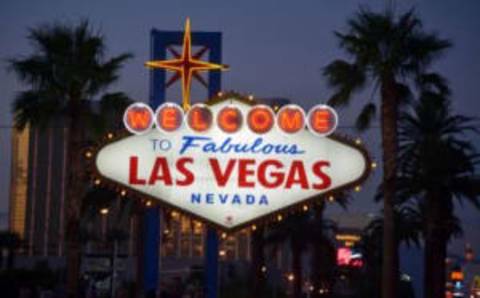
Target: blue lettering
[[263, 200], [236, 200], [209, 198], [196, 198], [189, 142], [223, 198], [250, 199]]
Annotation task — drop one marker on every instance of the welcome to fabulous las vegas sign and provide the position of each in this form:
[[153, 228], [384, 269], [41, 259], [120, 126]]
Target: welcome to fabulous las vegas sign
[[232, 163]]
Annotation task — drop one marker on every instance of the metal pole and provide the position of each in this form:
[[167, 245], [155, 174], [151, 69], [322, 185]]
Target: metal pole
[[211, 264]]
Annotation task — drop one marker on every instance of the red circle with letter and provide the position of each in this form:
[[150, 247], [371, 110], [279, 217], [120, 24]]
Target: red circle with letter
[[199, 118], [169, 117], [138, 118], [229, 119], [260, 119], [322, 120], [291, 119]]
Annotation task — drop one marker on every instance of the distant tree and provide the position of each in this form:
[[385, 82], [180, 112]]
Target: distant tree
[[437, 166], [10, 242], [67, 71], [389, 53], [295, 232]]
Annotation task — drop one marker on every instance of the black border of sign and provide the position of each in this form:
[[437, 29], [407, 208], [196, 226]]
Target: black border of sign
[[262, 220]]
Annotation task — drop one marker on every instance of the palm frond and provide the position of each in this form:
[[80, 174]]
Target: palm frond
[[366, 116]]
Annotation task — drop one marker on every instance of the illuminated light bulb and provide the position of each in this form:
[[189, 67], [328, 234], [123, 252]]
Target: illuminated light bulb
[[275, 108], [110, 135], [148, 203], [220, 94], [199, 224], [224, 235], [260, 119], [123, 193], [138, 118], [174, 214], [264, 269], [222, 253], [322, 120], [88, 154], [279, 217], [358, 188], [229, 119], [250, 97], [291, 277], [254, 228], [291, 119], [374, 165], [166, 231], [104, 211], [358, 141], [97, 181], [331, 198], [305, 208], [168, 117], [199, 118], [311, 288]]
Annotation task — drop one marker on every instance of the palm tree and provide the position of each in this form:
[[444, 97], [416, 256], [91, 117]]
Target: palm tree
[[408, 231], [389, 53], [437, 165], [67, 70], [323, 250], [258, 261], [294, 230]]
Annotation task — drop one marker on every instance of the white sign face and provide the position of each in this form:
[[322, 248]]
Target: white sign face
[[232, 179]]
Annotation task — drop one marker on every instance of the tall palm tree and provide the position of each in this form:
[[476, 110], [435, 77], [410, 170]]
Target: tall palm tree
[[437, 165], [389, 53], [67, 70]]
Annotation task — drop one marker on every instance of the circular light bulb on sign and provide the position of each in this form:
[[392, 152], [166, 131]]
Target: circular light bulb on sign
[[199, 118], [291, 119], [169, 117], [322, 120], [230, 119], [138, 118], [260, 119]]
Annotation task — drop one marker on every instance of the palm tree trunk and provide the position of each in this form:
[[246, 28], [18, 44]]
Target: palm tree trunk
[[76, 189], [258, 261], [389, 144], [436, 242], [297, 272], [322, 264]]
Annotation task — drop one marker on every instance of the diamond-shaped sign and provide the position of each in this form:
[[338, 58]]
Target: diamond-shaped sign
[[232, 179]]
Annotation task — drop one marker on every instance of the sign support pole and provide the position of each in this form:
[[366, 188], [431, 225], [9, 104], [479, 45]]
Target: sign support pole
[[160, 41]]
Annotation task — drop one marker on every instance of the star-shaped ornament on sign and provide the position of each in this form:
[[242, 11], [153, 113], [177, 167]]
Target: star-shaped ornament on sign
[[185, 65]]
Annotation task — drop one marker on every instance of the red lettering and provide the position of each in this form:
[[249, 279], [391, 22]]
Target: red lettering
[[220, 177], [278, 177], [133, 177], [182, 169], [244, 173], [297, 175], [160, 171], [317, 170]]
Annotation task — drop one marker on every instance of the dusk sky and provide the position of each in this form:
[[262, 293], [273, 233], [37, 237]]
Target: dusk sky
[[274, 48]]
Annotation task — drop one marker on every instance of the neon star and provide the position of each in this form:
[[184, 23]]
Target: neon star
[[186, 66]]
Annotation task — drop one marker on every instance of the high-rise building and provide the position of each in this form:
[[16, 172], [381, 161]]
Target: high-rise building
[[37, 194]]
